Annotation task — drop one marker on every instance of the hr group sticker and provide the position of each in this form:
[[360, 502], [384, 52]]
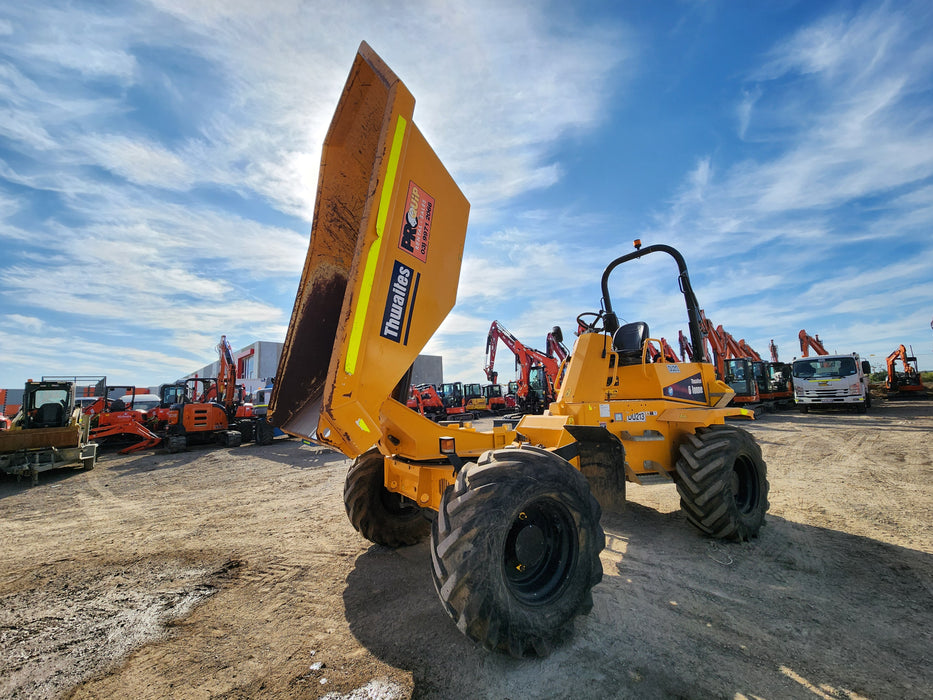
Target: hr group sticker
[[416, 226]]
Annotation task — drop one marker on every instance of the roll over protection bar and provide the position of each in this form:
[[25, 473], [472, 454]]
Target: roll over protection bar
[[611, 321]]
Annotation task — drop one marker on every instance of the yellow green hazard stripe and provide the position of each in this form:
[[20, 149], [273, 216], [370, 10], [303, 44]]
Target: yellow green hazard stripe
[[369, 270]]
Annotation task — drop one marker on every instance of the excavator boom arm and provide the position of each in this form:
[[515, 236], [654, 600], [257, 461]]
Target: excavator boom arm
[[808, 342]]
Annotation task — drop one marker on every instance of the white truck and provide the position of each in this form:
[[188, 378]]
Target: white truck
[[832, 381]]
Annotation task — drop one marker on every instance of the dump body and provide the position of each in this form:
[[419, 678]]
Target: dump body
[[382, 267]]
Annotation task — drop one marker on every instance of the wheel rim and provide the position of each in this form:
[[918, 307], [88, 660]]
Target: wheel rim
[[540, 552], [745, 485], [398, 506]]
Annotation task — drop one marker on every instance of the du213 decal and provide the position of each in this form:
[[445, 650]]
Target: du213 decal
[[400, 303], [416, 226]]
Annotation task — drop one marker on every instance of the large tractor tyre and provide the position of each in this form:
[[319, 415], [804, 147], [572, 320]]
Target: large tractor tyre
[[722, 482], [264, 432], [378, 514], [803, 408], [515, 550]]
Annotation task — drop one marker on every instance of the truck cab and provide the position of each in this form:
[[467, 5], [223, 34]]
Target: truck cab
[[828, 381]]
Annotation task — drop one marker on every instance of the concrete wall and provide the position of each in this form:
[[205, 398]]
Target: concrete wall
[[257, 361], [428, 369], [10, 401]]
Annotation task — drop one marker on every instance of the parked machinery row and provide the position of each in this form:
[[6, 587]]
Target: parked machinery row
[[197, 410], [203, 409]]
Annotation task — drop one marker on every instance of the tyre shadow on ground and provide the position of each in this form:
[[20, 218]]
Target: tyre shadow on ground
[[282, 451], [10, 485], [394, 611], [297, 455], [800, 606]]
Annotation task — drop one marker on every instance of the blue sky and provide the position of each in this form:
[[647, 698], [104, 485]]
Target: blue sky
[[158, 167]]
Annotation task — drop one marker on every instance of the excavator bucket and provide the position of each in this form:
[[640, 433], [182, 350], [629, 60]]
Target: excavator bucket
[[382, 267]]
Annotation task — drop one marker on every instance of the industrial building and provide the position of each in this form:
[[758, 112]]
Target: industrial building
[[256, 365]]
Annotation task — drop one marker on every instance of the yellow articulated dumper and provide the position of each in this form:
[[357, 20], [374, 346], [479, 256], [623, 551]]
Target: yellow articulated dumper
[[513, 514]]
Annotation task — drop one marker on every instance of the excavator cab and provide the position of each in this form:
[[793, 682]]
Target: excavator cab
[[740, 376], [171, 394]]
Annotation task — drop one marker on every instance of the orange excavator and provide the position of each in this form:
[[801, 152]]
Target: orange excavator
[[686, 352], [664, 354], [908, 380], [537, 370], [204, 409], [186, 415], [738, 361], [772, 379], [754, 380], [232, 396], [808, 342], [225, 390], [117, 420], [714, 347], [424, 399]]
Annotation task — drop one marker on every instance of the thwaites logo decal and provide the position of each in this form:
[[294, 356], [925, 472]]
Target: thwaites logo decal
[[416, 227], [400, 303], [690, 388]]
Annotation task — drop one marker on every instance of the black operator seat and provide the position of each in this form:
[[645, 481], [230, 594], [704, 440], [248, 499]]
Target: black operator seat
[[49, 415], [629, 340]]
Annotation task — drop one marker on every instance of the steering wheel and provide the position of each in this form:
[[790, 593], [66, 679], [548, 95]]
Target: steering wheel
[[586, 326]]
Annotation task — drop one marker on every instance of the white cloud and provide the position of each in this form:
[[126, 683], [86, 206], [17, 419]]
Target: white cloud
[[139, 161], [744, 109], [17, 321], [175, 145], [89, 43]]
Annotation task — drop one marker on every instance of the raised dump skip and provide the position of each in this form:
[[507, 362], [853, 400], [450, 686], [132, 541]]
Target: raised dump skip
[[389, 218]]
